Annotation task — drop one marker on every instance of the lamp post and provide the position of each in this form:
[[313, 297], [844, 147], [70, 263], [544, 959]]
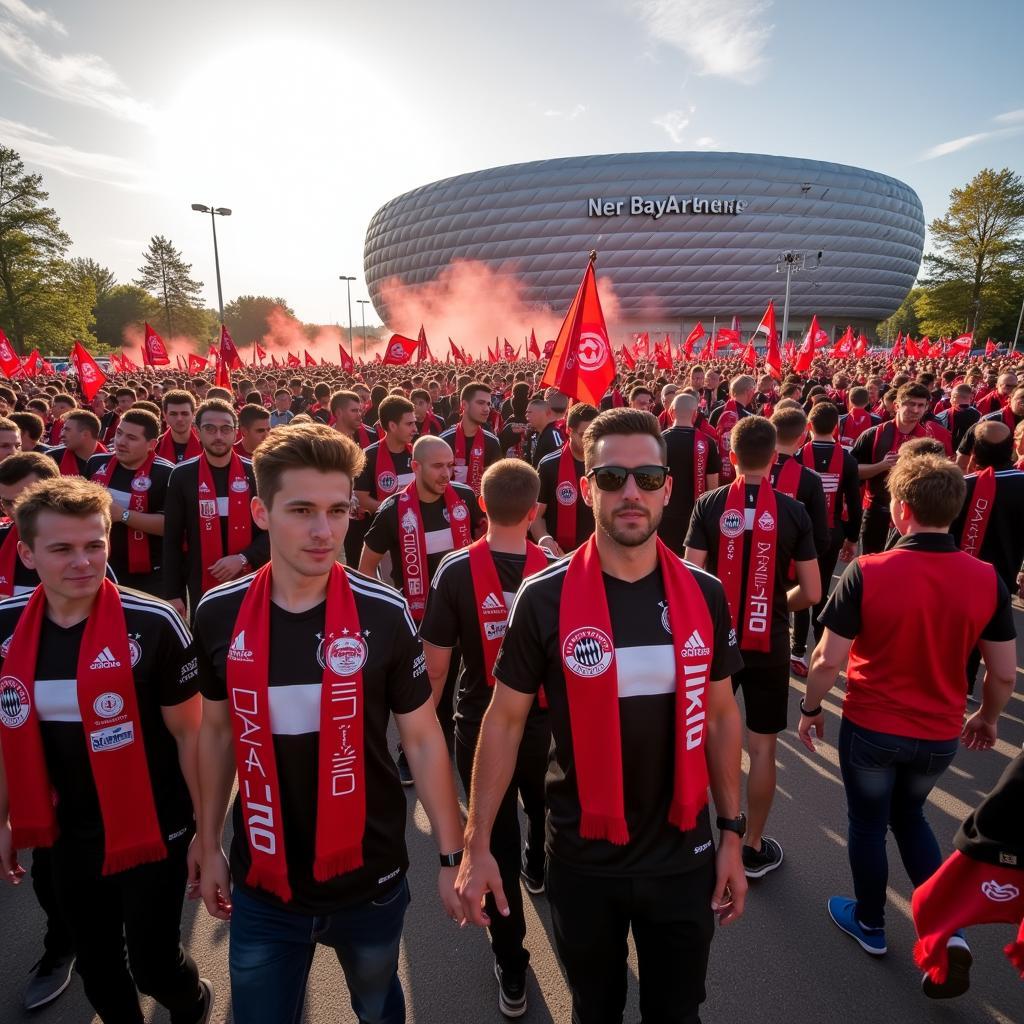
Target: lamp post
[[215, 212], [794, 262], [363, 304], [348, 290]]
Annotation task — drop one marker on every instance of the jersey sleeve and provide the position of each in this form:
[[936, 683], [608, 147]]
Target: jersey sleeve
[[697, 533], [408, 685], [521, 663], [212, 682], [365, 480], [440, 625], [804, 547], [841, 613], [726, 659], [380, 537], [1000, 627], [177, 672], [863, 447]]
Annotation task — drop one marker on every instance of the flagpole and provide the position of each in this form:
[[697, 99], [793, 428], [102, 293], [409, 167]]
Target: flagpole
[[1016, 333]]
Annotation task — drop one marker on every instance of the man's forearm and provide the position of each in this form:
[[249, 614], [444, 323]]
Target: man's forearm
[[995, 695], [188, 759], [216, 775], [435, 786], [872, 469], [821, 677], [797, 600], [367, 503], [493, 765], [723, 752]]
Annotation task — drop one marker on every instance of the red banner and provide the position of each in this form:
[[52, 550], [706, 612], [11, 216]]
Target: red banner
[[228, 353], [400, 350], [9, 361], [90, 377], [154, 348]]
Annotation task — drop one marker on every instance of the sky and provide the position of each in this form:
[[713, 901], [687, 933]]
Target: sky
[[304, 118]]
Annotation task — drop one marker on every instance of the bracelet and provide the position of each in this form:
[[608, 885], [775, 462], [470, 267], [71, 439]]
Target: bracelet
[[809, 714], [451, 860]]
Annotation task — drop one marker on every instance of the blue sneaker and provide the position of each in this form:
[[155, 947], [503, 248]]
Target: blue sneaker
[[843, 912]]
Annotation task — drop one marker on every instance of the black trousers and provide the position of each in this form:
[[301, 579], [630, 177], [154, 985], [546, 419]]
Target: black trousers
[[672, 926], [57, 941], [135, 912], [874, 527], [507, 933], [804, 619]]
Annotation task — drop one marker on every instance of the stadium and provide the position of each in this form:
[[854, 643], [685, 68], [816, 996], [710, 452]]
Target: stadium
[[684, 236]]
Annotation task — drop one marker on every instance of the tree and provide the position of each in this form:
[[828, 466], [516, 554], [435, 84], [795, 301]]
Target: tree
[[42, 301], [246, 316], [124, 305], [978, 243], [103, 278], [905, 319], [167, 276]]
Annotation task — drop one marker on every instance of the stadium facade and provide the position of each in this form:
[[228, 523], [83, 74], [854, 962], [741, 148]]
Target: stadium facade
[[683, 236]]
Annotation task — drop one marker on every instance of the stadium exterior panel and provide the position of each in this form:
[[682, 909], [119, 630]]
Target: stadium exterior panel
[[683, 236]]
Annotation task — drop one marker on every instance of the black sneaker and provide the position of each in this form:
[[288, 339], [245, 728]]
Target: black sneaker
[[50, 976], [404, 771], [534, 881], [757, 863], [958, 974], [208, 994], [511, 991]]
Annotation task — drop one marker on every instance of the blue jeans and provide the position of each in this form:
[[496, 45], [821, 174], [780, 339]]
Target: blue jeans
[[272, 950], [887, 780]]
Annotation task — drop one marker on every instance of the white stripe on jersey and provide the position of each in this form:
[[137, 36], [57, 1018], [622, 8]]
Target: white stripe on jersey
[[645, 671], [138, 603], [294, 709], [57, 700], [123, 498], [438, 541]]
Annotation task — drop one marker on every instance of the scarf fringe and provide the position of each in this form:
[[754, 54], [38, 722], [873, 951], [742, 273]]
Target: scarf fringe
[[261, 876], [930, 956], [339, 863], [604, 826], [684, 816], [115, 861]]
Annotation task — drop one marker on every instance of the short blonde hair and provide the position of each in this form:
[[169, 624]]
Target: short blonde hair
[[301, 446], [64, 495], [931, 485]]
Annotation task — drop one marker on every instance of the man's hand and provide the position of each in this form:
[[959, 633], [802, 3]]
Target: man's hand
[[1020, 585], [550, 544], [978, 734], [13, 871], [889, 459], [215, 885], [178, 605], [811, 726], [848, 552], [227, 568], [479, 875], [449, 898], [730, 893]]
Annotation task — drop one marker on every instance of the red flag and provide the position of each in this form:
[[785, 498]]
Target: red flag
[[423, 352], [643, 344], [861, 348], [456, 352], [492, 357], [691, 339], [145, 357], [196, 363], [990, 347], [273, 360], [806, 354], [293, 360], [30, 366], [663, 355], [727, 336], [260, 353], [222, 378], [400, 350], [844, 346], [772, 358], [962, 345], [534, 348], [910, 347], [228, 353], [377, 358], [90, 377], [582, 365], [750, 354], [46, 368], [9, 361], [154, 348], [310, 361], [627, 357], [346, 360]]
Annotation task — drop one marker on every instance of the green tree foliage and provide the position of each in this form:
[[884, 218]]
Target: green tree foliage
[[978, 258], [165, 275], [905, 318], [44, 303], [103, 278], [124, 305], [246, 316]]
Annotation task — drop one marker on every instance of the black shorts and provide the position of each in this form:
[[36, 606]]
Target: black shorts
[[765, 696]]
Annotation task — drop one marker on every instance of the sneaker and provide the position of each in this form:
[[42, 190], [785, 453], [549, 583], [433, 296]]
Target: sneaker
[[843, 912], [511, 991], [534, 881], [208, 994], [798, 665], [51, 975], [958, 974], [404, 771], [757, 863]]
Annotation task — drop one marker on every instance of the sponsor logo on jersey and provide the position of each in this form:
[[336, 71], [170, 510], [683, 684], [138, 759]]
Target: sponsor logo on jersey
[[695, 647], [105, 659], [141, 483], [238, 651]]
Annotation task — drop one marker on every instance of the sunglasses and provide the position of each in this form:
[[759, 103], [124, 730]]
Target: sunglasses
[[613, 478]]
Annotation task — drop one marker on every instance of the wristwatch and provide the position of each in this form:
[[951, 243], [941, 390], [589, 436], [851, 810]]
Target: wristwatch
[[451, 860], [245, 561], [737, 824], [125, 514]]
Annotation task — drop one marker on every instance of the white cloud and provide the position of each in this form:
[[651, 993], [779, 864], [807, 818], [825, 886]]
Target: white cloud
[[82, 78], [705, 142], [39, 148], [31, 16], [721, 37], [955, 145], [674, 123], [1010, 117], [568, 115]]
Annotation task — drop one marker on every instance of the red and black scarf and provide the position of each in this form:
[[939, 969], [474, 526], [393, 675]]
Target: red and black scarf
[[474, 461], [138, 543], [753, 621], [830, 478], [165, 447], [855, 423], [587, 646], [239, 516], [566, 497], [728, 419], [412, 542], [341, 770], [701, 443], [69, 461], [113, 736], [979, 511]]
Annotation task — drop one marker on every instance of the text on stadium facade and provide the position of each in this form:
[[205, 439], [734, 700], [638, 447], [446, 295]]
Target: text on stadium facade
[[655, 208]]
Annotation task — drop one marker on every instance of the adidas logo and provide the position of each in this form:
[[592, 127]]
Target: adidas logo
[[238, 651], [492, 603], [695, 646], [105, 659]]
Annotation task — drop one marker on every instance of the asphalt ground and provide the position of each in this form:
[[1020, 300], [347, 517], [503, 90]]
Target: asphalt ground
[[784, 961]]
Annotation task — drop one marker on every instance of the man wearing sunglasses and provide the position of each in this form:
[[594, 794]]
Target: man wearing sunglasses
[[634, 652], [749, 535]]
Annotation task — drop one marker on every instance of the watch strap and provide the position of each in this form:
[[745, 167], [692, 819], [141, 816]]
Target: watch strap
[[451, 860]]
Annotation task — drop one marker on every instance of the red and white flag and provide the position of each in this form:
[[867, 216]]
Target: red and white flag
[[90, 377], [196, 364], [400, 350], [812, 340], [962, 344], [456, 353], [293, 360], [9, 361], [534, 348], [228, 353], [346, 360], [423, 353], [310, 361], [691, 339], [627, 357], [990, 347], [582, 365], [155, 349]]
